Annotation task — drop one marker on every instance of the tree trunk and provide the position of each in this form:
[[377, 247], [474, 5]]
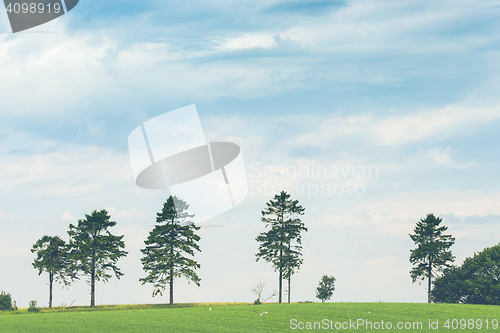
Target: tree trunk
[[281, 284], [171, 286], [290, 272], [92, 289], [171, 282], [281, 260], [430, 272], [281, 275], [289, 278], [51, 279], [429, 285]]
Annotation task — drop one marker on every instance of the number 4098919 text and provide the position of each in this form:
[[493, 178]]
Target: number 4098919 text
[[33, 8]]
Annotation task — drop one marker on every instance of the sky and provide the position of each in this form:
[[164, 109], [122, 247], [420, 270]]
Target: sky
[[371, 113]]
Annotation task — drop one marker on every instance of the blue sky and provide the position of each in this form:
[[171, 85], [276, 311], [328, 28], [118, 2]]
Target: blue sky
[[408, 87]]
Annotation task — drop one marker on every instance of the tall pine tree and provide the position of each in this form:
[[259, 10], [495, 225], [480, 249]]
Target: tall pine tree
[[432, 254], [170, 247], [281, 244], [94, 250]]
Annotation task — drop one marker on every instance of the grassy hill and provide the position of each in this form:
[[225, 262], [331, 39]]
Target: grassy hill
[[229, 317]]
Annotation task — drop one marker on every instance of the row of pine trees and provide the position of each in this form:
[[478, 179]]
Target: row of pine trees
[[93, 251], [171, 246]]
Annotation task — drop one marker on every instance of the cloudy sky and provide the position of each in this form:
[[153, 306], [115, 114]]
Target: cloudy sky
[[407, 90]]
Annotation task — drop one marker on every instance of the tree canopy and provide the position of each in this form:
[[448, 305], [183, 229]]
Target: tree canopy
[[432, 254], [170, 247], [477, 281], [94, 250]]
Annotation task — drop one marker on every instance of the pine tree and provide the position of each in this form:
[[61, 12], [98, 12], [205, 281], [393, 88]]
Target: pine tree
[[170, 247], [280, 245], [432, 253], [94, 250], [52, 257]]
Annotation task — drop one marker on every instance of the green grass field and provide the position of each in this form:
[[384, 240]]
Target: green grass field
[[225, 317]]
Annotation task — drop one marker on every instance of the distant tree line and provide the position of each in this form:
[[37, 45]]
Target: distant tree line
[[93, 251]]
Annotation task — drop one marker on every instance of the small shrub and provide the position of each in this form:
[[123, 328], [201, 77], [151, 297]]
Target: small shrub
[[33, 307], [5, 302], [257, 302]]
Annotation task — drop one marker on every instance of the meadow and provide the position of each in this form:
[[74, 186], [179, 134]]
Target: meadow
[[269, 317]]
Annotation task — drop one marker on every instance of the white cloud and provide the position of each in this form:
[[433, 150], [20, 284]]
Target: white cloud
[[394, 130], [439, 156], [126, 213], [70, 170], [397, 214], [382, 260], [111, 210], [379, 27], [13, 246], [66, 215], [53, 72], [246, 41], [135, 235], [64, 72], [461, 203], [67, 190], [441, 123], [475, 233]]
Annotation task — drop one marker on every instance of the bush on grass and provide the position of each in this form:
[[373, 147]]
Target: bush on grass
[[5, 302], [33, 307]]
